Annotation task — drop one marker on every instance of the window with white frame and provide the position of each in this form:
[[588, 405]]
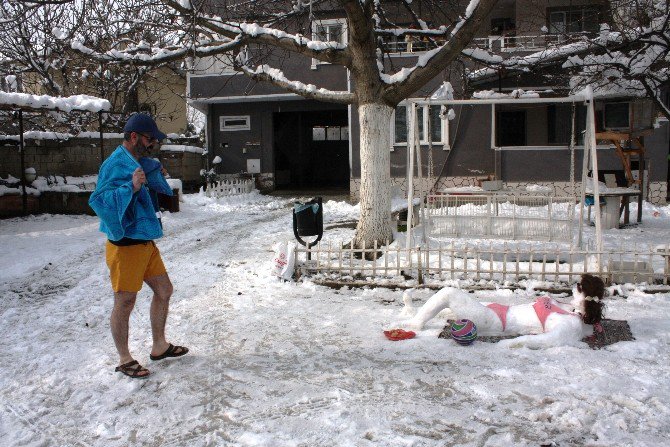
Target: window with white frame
[[425, 116], [574, 19], [331, 30], [233, 123]]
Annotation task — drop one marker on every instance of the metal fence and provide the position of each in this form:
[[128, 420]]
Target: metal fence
[[229, 188], [512, 217], [650, 265], [524, 43]]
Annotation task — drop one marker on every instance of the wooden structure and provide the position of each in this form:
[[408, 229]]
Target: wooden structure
[[629, 147]]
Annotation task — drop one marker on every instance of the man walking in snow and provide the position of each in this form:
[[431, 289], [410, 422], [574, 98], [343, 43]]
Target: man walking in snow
[[125, 199]]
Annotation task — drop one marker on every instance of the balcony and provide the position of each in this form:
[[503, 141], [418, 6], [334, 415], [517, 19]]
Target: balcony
[[494, 44], [503, 44]]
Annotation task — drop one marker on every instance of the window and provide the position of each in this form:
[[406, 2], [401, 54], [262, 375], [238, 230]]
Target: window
[[574, 20], [330, 133], [332, 30], [423, 114], [233, 123], [510, 128], [559, 124], [329, 32], [617, 115]]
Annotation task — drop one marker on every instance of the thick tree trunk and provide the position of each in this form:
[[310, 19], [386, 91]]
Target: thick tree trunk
[[375, 189]]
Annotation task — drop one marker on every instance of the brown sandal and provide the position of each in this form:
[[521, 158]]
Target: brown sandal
[[171, 351], [133, 369]]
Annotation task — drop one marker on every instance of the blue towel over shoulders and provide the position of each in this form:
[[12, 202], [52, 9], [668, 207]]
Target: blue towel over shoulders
[[122, 212]]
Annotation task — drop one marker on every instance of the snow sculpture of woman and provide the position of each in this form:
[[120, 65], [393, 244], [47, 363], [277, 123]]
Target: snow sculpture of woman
[[546, 322]]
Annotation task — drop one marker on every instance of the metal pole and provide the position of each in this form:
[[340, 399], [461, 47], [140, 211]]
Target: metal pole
[[419, 171], [641, 168], [410, 178], [24, 198], [102, 145], [594, 166]]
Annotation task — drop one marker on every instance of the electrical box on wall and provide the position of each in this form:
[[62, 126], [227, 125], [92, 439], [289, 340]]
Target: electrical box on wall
[[254, 166]]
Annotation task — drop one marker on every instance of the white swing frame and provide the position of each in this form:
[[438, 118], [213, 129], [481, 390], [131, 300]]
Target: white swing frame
[[590, 153]]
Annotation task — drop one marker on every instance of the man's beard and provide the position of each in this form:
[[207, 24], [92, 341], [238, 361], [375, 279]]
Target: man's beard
[[143, 151]]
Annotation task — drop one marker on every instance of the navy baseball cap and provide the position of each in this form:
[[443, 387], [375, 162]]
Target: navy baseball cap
[[143, 123]]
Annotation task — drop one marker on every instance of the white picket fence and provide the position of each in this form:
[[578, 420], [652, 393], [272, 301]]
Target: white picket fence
[[229, 188], [561, 265]]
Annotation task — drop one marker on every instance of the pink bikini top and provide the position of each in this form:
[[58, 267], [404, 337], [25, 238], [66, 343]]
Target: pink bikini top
[[543, 306]]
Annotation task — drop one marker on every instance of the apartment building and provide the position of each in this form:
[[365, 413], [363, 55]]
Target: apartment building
[[293, 143]]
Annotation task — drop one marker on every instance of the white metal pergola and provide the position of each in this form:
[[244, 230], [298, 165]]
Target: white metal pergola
[[590, 154]]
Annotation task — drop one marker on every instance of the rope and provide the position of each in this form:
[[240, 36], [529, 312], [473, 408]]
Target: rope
[[430, 152], [572, 153]]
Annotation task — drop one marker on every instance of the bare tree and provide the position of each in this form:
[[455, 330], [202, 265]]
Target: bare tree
[[35, 45], [261, 33]]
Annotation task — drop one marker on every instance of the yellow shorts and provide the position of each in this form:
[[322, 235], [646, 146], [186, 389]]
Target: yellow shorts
[[130, 265]]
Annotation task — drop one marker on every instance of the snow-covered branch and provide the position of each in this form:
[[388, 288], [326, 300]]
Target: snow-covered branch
[[277, 77], [152, 56], [264, 34]]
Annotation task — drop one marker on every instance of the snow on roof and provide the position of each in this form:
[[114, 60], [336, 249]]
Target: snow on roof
[[182, 148], [490, 94], [65, 104]]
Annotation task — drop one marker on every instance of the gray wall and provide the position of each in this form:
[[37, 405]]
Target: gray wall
[[258, 142], [74, 157], [79, 157]]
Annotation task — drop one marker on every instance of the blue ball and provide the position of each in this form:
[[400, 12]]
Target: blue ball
[[464, 332]]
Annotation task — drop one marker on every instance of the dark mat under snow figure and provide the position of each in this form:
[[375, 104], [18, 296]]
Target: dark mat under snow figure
[[613, 331]]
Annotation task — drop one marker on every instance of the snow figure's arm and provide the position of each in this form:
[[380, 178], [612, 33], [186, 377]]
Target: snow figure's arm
[[408, 310], [432, 307], [561, 330]]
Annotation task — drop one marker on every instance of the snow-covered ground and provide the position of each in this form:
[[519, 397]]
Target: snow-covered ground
[[274, 364]]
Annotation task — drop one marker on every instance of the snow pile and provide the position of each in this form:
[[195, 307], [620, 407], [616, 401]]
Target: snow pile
[[53, 183], [57, 183], [515, 94], [275, 363], [181, 148]]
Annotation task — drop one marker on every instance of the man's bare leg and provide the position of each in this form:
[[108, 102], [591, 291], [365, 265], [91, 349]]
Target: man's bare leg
[[123, 306], [162, 288]]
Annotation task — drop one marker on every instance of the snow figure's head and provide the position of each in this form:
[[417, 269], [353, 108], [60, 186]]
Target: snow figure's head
[[588, 297]]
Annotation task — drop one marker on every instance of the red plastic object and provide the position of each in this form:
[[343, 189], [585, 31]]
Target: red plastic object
[[399, 334]]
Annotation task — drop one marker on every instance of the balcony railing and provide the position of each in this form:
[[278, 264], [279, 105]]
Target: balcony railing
[[523, 43], [496, 44]]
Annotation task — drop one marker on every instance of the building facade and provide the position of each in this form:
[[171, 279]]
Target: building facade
[[288, 142]]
